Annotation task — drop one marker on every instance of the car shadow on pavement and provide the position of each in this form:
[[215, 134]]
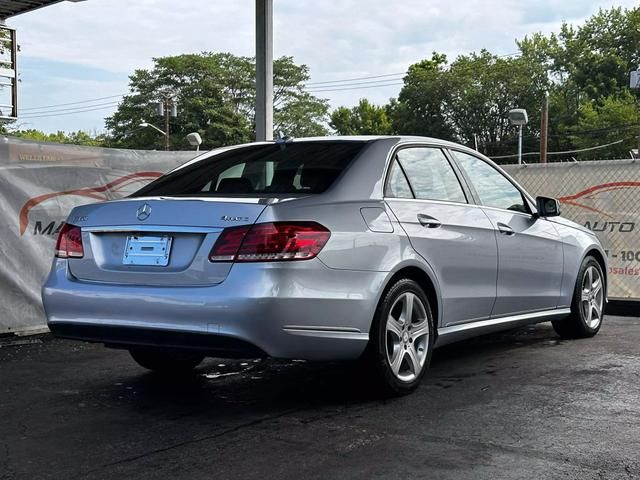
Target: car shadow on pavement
[[262, 384]]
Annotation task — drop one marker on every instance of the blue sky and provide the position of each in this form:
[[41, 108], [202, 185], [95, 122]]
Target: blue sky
[[73, 52]]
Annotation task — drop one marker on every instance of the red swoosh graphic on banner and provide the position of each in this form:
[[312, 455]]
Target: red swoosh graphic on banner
[[96, 192], [571, 199]]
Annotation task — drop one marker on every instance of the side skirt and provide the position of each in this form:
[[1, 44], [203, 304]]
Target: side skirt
[[456, 333]]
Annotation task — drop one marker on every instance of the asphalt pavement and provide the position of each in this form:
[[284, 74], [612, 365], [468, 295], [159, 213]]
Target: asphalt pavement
[[516, 405]]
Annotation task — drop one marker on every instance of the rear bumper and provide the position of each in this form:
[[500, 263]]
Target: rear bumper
[[301, 310], [123, 337]]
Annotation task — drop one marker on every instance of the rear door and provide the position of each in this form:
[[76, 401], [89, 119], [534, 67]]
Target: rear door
[[530, 257], [455, 238]]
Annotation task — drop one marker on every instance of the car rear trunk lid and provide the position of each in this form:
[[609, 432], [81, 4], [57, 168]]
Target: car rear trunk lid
[[157, 241]]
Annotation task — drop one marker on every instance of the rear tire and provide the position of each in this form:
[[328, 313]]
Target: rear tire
[[401, 338], [587, 307], [166, 361]]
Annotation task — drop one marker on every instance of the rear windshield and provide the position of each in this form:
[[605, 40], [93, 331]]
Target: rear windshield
[[294, 168]]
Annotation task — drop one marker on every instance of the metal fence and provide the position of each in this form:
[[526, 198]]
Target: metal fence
[[603, 196]]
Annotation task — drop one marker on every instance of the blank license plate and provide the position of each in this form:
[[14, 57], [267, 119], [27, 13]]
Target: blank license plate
[[147, 250]]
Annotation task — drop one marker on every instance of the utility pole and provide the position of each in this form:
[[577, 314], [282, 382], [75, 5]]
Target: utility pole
[[167, 108], [167, 132], [544, 130]]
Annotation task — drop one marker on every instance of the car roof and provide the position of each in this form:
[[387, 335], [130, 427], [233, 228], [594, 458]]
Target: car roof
[[398, 138]]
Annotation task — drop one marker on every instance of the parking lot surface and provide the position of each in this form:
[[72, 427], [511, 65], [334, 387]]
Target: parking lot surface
[[521, 404]]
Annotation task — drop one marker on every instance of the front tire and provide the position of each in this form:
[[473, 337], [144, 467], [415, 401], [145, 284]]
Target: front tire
[[402, 337], [587, 308], [165, 361]]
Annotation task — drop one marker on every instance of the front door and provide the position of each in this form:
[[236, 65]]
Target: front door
[[530, 256]]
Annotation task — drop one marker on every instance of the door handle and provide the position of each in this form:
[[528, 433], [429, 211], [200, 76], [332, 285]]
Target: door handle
[[505, 229], [428, 221]]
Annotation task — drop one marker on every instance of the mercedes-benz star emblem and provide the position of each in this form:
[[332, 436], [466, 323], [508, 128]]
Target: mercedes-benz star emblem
[[143, 212]]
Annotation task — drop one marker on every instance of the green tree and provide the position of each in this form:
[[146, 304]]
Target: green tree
[[215, 93], [421, 105], [363, 119], [612, 119], [73, 138], [470, 99]]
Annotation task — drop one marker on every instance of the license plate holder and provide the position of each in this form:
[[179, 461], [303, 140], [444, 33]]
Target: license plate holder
[[150, 250]]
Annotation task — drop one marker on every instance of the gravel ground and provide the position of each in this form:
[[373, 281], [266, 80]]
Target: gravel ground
[[521, 404]]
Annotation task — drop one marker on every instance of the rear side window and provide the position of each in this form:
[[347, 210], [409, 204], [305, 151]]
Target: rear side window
[[398, 185], [431, 175], [294, 168]]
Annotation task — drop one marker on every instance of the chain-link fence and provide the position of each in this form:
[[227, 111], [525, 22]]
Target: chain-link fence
[[604, 196]]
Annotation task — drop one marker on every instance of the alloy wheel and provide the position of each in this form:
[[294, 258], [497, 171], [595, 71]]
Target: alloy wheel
[[592, 299], [407, 337]]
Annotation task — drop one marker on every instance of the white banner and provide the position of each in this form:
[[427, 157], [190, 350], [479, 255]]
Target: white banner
[[603, 196], [39, 184]]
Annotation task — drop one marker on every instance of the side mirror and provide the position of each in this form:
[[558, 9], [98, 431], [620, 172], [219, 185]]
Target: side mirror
[[548, 207]]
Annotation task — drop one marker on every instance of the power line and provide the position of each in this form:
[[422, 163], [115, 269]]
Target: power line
[[72, 109], [348, 80], [529, 154], [355, 88], [358, 78], [69, 113], [71, 103], [369, 82]]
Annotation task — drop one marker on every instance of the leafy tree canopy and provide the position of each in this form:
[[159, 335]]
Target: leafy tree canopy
[[363, 119], [215, 93]]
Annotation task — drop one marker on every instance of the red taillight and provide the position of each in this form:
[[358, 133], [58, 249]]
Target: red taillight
[[69, 244], [270, 242]]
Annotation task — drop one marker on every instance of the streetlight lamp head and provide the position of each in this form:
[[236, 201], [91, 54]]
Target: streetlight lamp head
[[194, 139], [518, 117], [144, 124]]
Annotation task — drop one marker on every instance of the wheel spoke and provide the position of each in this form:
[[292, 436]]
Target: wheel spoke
[[585, 295], [420, 330], [394, 327], [597, 287], [589, 313], [598, 308], [590, 278], [397, 361], [412, 357], [407, 308]]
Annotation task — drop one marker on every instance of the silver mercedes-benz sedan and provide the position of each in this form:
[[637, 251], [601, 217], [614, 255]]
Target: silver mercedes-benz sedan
[[378, 248]]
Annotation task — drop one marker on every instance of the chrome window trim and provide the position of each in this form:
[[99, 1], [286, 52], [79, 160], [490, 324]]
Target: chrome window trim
[[439, 202]]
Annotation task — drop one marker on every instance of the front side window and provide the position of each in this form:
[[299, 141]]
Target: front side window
[[493, 188], [295, 168], [431, 175]]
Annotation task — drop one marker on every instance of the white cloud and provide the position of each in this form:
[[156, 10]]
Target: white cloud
[[337, 38]]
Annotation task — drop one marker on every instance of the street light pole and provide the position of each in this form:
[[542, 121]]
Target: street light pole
[[520, 146], [518, 118], [159, 130]]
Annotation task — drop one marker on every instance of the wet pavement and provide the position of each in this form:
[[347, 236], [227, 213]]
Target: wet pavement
[[515, 405]]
